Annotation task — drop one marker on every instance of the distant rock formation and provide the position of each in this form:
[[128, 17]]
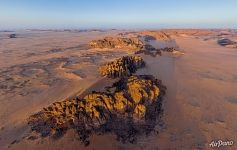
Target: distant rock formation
[[124, 66], [117, 42], [224, 42], [189, 32], [147, 35], [227, 43], [155, 35], [131, 107], [12, 36], [134, 43]]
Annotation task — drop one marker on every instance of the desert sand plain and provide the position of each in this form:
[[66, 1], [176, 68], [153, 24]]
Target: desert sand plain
[[38, 68]]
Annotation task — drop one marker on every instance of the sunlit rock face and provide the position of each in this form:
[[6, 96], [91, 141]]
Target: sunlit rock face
[[124, 66], [133, 43], [130, 107]]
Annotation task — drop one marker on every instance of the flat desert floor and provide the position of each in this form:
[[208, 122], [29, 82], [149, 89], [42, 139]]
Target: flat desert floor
[[38, 68]]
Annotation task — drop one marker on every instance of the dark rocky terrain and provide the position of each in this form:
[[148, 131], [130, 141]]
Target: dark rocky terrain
[[150, 50], [227, 43]]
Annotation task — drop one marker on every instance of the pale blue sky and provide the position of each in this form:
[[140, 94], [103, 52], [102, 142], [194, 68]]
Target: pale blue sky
[[118, 14]]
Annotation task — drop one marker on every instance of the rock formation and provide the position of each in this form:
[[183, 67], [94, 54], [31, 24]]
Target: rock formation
[[124, 66], [227, 43], [150, 50], [155, 35], [118, 42], [134, 43], [12, 36], [129, 108]]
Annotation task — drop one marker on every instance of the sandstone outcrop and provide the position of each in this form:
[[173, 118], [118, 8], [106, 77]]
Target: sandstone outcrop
[[118, 42], [124, 66], [129, 108], [134, 43], [150, 50]]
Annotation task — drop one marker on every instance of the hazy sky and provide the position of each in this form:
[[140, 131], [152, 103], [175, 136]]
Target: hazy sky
[[118, 14]]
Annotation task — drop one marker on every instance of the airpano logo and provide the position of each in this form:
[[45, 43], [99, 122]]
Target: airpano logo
[[221, 143]]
